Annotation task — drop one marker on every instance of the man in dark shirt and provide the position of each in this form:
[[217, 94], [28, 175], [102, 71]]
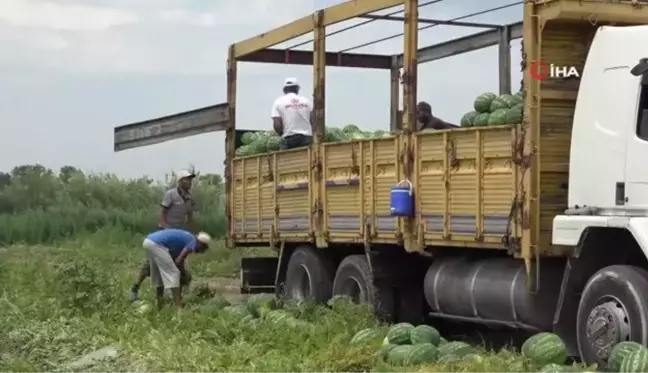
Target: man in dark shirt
[[427, 121]]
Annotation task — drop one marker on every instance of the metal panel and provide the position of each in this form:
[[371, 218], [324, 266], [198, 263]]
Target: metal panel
[[464, 44], [176, 126], [332, 15], [297, 57]]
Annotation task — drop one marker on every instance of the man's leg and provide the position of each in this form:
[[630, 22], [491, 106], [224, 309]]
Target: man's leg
[[145, 271], [168, 273]]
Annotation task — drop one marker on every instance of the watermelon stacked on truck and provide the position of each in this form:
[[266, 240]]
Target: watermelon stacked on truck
[[494, 110]]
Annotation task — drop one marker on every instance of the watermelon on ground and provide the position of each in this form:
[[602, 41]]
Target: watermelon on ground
[[456, 348], [425, 334], [350, 128], [448, 359], [468, 119], [545, 348], [483, 102], [636, 361], [365, 336], [423, 353], [619, 352], [481, 120], [497, 104], [238, 311], [473, 358], [509, 99], [257, 302], [398, 354], [277, 317], [399, 334], [497, 117], [386, 349], [553, 368], [246, 320]]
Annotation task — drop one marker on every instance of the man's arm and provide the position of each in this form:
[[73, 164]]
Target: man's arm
[[189, 248], [167, 200], [277, 122]]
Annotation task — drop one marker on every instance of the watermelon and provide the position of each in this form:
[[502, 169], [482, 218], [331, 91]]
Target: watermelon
[[508, 99], [619, 352], [399, 334], [258, 301], [365, 336], [259, 145], [468, 119], [397, 355], [497, 117], [243, 151], [514, 115], [448, 359], [456, 348], [380, 133], [357, 135], [386, 349], [483, 102], [553, 368], [349, 128], [519, 96], [238, 311], [277, 317], [274, 143], [423, 353], [497, 104], [473, 358], [442, 341], [248, 138], [635, 361], [481, 120], [425, 334], [246, 320], [545, 348]]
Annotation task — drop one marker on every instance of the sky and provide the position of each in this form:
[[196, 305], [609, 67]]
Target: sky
[[72, 70]]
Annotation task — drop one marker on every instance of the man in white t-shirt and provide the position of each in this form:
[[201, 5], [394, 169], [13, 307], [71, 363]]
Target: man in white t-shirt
[[292, 117]]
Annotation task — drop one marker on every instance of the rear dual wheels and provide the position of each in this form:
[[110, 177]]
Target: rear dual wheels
[[309, 275], [613, 308]]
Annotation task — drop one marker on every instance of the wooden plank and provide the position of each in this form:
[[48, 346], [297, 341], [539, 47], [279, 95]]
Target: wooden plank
[[595, 10], [298, 57], [335, 14]]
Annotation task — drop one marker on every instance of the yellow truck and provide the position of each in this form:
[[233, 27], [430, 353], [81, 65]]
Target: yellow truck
[[540, 226]]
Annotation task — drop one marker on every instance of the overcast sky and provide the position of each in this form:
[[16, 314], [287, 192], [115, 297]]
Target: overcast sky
[[71, 70]]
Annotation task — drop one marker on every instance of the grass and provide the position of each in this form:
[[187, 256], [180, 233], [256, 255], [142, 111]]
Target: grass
[[61, 302]]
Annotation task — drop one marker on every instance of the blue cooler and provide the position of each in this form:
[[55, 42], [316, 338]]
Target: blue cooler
[[402, 199]]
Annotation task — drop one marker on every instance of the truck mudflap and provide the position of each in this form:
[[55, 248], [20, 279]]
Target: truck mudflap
[[258, 275]]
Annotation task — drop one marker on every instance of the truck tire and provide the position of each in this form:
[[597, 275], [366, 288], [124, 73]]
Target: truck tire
[[613, 308], [355, 279], [309, 275]]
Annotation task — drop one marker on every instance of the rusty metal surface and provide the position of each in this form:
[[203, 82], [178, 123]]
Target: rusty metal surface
[[230, 139], [297, 57], [464, 44], [171, 127], [302, 26]]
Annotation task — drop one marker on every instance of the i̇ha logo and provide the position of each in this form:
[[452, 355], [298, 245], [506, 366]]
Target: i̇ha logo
[[541, 70]]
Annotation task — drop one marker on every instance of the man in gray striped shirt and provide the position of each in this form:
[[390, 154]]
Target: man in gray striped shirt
[[176, 211]]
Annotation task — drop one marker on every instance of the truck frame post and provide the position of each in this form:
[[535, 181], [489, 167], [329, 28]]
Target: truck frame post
[[230, 138], [319, 97], [504, 52], [394, 95], [410, 69]]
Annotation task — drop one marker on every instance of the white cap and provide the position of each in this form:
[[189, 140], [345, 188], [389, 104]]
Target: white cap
[[184, 173], [204, 238], [291, 82]]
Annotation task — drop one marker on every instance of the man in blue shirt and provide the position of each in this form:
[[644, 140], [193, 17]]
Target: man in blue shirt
[[166, 251]]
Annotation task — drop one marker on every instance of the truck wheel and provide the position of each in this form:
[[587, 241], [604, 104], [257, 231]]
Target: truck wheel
[[355, 280], [309, 275], [613, 308]]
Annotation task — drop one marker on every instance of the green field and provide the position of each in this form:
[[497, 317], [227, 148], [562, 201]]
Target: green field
[[70, 245]]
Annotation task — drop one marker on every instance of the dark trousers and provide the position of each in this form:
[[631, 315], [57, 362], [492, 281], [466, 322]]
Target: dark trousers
[[295, 141]]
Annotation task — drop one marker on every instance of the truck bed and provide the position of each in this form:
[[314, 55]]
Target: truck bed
[[464, 185]]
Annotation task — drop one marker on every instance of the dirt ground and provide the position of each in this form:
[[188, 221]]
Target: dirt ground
[[229, 287]]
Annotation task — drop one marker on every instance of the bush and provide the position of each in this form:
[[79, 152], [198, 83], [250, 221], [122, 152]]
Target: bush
[[38, 206]]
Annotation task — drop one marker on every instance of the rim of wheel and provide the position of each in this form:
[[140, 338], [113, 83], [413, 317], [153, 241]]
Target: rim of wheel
[[302, 290], [351, 287], [607, 324]]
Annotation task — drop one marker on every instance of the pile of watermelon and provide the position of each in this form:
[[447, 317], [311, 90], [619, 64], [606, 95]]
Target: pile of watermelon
[[494, 110], [627, 357], [261, 142]]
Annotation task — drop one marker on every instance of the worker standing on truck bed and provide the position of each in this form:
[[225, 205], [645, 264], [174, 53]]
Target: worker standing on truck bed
[[292, 117], [167, 250], [176, 211], [427, 121]]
